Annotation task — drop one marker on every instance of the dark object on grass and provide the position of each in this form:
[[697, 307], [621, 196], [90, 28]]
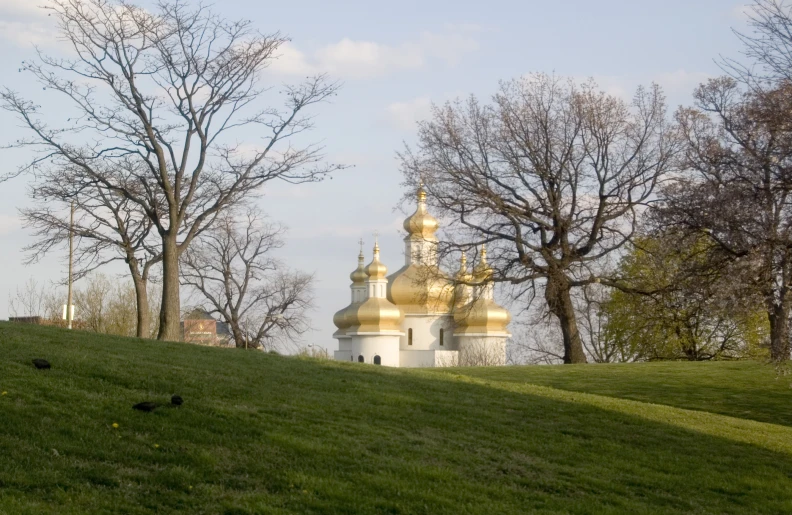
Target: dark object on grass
[[176, 400], [41, 364], [145, 406]]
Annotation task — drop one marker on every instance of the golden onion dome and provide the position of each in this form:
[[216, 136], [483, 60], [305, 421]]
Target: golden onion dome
[[421, 223], [345, 318], [340, 321], [463, 280], [421, 289], [375, 315], [462, 274], [482, 272], [359, 276], [480, 317], [375, 269]]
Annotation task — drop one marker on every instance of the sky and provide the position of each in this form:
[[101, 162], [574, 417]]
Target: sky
[[395, 59]]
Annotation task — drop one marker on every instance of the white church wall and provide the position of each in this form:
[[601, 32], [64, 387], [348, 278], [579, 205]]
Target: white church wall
[[426, 332], [370, 346]]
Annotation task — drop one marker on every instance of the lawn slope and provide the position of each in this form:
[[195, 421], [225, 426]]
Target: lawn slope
[[268, 434]]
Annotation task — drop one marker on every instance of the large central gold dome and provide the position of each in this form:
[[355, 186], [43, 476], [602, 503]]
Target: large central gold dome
[[421, 289]]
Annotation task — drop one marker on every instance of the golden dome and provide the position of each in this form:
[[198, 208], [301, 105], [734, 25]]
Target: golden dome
[[375, 269], [481, 316], [359, 276], [340, 321], [482, 271], [345, 318], [463, 279], [421, 223], [375, 315], [421, 289]]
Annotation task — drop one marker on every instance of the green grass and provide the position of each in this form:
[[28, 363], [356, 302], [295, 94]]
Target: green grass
[[269, 434]]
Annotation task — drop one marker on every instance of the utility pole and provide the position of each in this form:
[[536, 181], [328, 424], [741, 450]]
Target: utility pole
[[69, 311]]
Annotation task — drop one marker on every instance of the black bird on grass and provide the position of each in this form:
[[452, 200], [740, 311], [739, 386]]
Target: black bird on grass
[[41, 364], [176, 400], [145, 406]]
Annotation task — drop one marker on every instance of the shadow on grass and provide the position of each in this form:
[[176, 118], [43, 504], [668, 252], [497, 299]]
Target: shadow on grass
[[265, 434]]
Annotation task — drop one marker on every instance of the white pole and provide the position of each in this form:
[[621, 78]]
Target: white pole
[[69, 310]]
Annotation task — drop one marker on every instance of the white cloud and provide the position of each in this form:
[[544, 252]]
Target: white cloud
[[25, 34], [404, 115], [21, 8], [365, 59], [291, 61], [681, 81], [24, 23], [9, 224]]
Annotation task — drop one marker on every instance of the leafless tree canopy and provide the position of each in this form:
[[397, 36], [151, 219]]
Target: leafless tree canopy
[[550, 176], [34, 300], [767, 45], [158, 99], [108, 227], [232, 267]]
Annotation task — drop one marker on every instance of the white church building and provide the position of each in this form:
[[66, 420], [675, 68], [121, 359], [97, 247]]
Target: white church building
[[420, 316]]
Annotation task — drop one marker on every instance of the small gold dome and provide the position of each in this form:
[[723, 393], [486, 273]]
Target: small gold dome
[[482, 272], [481, 316], [374, 315], [375, 269], [359, 276], [463, 280], [421, 223], [420, 289]]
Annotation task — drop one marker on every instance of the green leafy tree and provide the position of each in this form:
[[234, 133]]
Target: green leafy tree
[[677, 307]]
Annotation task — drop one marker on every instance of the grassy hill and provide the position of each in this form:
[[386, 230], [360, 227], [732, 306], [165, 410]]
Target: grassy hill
[[268, 434]]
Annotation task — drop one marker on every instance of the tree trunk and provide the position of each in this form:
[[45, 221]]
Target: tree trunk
[[559, 301], [778, 315], [170, 310], [142, 305], [238, 335]]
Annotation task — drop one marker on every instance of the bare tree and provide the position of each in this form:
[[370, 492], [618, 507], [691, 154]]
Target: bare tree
[[600, 344], [232, 267], [738, 189], [108, 226], [34, 300], [767, 46], [159, 99], [550, 177]]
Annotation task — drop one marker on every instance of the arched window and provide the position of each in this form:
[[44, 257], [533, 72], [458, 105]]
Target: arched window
[[352, 358], [377, 360], [441, 337], [409, 336], [360, 359]]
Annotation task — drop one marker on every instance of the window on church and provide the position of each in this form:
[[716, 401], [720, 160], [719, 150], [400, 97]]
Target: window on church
[[441, 337], [409, 336], [377, 360], [360, 359]]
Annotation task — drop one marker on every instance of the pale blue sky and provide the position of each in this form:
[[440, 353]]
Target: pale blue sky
[[395, 59]]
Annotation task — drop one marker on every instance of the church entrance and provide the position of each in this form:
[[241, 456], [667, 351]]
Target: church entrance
[[377, 360]]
